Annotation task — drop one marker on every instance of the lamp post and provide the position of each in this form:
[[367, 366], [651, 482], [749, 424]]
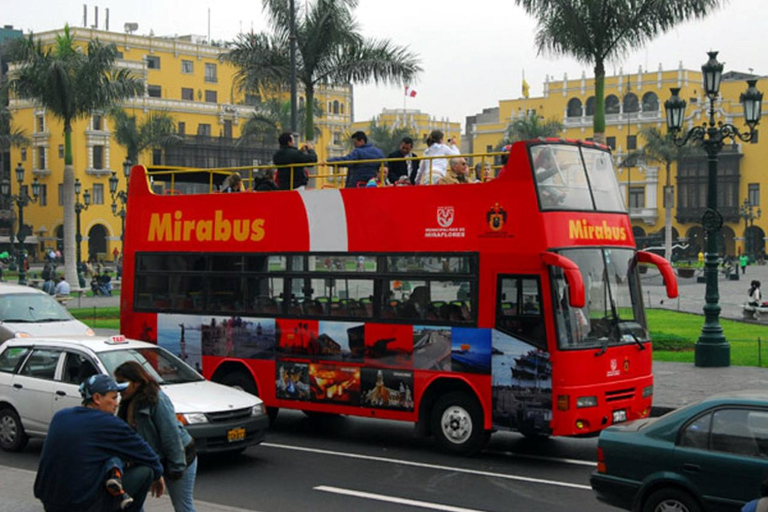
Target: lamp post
[[121, 195], [80, 208], [748, 213], [712, 349], [21, 199]]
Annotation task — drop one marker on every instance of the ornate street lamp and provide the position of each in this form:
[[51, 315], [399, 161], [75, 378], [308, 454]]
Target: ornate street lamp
[[712, 349], [22, 200], [749, 214], [122, 195], [79, 208]]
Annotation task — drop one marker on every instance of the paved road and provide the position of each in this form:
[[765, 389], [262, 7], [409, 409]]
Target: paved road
[[335, 464]]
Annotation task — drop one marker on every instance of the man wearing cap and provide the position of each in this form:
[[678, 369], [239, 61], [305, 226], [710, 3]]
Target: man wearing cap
[[79, 449]]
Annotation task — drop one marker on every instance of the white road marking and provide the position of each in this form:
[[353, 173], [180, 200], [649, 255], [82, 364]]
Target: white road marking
[[575, 462], [430, 466], [392, 499]]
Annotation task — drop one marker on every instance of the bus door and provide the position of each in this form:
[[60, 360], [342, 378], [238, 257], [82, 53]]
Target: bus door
[[521, 370]]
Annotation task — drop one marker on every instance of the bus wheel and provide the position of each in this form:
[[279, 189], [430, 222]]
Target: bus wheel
[[457, 423], [244, 382]]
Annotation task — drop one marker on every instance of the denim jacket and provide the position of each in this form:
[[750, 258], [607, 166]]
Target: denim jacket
[[158, 425]]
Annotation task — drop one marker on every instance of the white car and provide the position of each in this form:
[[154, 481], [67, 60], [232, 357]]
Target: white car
[[39, 376], [27, 312]]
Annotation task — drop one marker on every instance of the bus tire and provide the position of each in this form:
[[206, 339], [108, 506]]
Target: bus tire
[[457, 423], [244, 382]]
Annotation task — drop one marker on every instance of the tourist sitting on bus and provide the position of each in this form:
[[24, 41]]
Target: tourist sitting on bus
[[289, 178], [546, 168], [483, 172], [380, 179], [416, 305], [403, 172], [233, 183], [458, 172], [263, 180], [359, 174], [430, 171]]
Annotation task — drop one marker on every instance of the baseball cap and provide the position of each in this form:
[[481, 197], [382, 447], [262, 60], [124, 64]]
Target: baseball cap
[[101, 384]]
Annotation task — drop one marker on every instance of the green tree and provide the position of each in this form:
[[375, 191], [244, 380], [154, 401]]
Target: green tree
[[386, 138], [595, 31], [661, 148], [9, 136], [531, 127], [330, 50], [157, 131], [273, 117], [70, 83]]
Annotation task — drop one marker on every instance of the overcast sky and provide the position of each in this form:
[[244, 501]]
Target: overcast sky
[[473, 53]]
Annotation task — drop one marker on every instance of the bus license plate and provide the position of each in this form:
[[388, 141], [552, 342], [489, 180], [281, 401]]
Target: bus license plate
[[237, 434], [620, 416]]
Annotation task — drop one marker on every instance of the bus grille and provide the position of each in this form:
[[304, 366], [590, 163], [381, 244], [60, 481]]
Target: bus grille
[[236, 414], [619, 394]]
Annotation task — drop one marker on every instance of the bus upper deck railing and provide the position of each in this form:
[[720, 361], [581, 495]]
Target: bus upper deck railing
[[185, 180]]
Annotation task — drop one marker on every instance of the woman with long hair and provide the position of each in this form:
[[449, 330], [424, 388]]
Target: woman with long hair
[[149, 411]]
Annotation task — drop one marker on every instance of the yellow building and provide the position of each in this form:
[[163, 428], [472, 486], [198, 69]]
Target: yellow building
[[183, 77], [635, 101], [419, 123]]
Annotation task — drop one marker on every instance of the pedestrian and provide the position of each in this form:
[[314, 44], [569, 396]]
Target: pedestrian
[[743, 260], [359, 174], [430, 171], [701, 259], [458, 172], [149, 411], [760, 504], [403, 171], [62, 287], [49, 286], [115, 254], [84, 452], [755, 296], [292, 177], [232, 183], [119, 266]]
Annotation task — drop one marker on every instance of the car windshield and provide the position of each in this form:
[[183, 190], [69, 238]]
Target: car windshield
[[159, 363], [613, 313], [32, 308]]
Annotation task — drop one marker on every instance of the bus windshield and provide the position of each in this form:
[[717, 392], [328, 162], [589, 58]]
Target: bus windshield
[[575, 178], [613, 313]]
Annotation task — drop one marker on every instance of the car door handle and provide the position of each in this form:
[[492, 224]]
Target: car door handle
[[693, 468], [61, 393], [18, 386]]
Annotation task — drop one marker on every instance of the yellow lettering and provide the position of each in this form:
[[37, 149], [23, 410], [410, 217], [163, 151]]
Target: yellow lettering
[[223, 228], [177, 226], [189, 227], [160, 228], [204, 230], [623, 234], [575, 229], [242, 226], [257, 230]]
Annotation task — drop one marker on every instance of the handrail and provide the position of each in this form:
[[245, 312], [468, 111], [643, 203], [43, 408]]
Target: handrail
[[334, 174], [670, 281]]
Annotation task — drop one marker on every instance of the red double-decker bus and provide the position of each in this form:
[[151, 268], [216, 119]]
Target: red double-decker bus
[[511, 304]]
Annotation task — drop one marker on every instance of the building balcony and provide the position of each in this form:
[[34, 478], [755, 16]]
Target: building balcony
[[647, 215]]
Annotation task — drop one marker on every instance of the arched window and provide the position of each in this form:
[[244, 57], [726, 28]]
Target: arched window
[[574, 107], [611, 104], [336, 106], [650, 102], [590, 106], [630, 103]]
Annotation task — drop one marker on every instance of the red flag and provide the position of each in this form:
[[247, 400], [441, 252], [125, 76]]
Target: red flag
[[410, 92]]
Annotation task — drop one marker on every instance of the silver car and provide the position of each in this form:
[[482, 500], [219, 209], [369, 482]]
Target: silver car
[[26, 312]]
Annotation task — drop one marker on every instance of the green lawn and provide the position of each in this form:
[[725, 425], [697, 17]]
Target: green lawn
[[99, 318], [674, 336]]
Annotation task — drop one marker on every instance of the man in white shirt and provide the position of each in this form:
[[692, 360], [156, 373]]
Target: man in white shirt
[[62, 287]]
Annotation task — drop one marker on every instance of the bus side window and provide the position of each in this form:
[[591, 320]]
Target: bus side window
[[519, 311]]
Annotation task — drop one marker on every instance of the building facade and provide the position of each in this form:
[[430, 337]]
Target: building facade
[[419, 123], [635, 101], [185, 78]]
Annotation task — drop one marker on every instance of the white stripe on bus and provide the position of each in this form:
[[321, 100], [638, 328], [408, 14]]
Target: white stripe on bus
[[327, 220]]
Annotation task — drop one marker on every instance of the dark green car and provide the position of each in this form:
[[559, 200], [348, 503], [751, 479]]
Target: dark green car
[[708, 456]]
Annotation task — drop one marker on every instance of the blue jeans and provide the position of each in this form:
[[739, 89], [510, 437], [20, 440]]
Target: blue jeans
[[181, 491]]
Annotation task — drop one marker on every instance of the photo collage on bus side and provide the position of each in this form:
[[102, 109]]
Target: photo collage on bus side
[[345, 363]]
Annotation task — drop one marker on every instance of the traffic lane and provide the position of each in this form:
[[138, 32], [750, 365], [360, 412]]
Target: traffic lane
[[276, 477]]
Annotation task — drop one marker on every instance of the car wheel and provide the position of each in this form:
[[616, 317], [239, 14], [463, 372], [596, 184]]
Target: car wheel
[[457, 423], [12, 435], [244, 382], [671, 500]]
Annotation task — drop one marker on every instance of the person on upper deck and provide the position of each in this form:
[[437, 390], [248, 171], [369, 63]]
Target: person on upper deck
[[430, 171], [232, 183], [292, 177], [458, 172], [364, 150], [403, 170]]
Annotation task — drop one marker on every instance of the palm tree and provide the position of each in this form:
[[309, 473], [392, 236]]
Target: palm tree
[[594, 31], [9, 136], [70, 84], [157, 131], [330, 50], [273, 117], [661, 148], [386, 138], [531, 127]]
